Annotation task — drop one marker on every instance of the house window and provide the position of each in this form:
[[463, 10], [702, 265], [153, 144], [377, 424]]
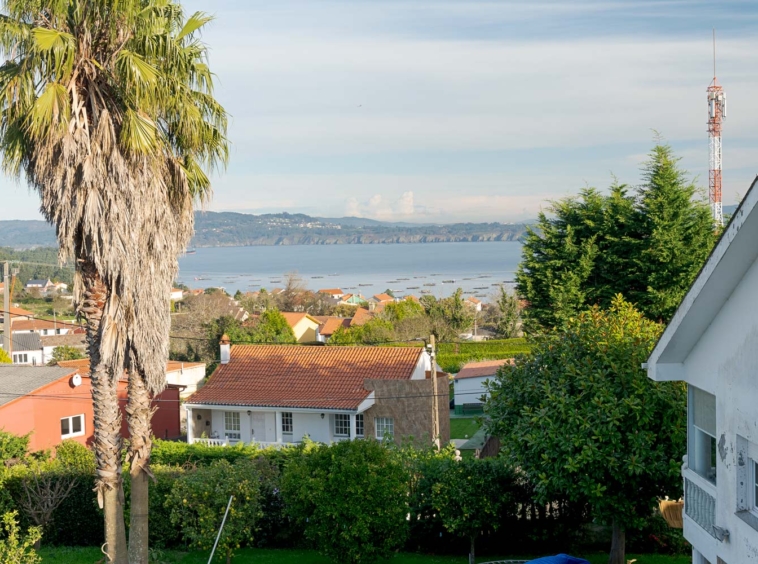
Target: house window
[[342, 425], [72, 426], [701, 455], [287, 422], [359, 425], [232, 428], [385, 427], [21, 358], [753, 481]]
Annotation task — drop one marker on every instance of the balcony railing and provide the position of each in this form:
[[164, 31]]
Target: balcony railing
[[699, 500]]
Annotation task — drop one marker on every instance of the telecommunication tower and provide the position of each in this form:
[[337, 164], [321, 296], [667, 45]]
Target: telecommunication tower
[[716, 116]]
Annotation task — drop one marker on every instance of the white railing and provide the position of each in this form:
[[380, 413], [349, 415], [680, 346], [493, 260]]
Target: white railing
[[699, 500], [209, 442], [225, 442]]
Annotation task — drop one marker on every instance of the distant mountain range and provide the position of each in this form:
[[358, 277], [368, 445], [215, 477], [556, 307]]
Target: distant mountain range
[[228, 229]]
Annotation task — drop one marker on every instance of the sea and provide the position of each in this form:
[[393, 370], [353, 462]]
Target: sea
[[406, 269]]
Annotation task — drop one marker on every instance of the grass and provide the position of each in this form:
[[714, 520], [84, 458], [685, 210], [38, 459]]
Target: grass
[[263, 556], [463, 428]]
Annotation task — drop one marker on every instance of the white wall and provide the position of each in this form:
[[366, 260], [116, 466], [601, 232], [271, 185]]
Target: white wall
[[725, 363], [188, 376], [32, 357], [312, 425], [469, 390]]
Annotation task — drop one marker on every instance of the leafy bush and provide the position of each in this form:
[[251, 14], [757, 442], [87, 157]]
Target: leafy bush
[[12, 446], [15, 549], [75, 456], [199, 498], [350, 498]]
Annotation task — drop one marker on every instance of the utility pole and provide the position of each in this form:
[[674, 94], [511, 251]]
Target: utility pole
[[7, 309], [435, 397]]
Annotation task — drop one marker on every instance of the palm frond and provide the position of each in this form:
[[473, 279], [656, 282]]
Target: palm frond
[[138, 133], [193, 23], [50, 112]]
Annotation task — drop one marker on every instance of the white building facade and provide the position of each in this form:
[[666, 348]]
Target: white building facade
[[712, 345]]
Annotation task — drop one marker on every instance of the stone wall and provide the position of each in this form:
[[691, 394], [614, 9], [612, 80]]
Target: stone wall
[[409, 403]]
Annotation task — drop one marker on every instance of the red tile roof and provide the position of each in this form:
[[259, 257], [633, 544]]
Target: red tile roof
[[293, 317], [331, 324], [306, 377], [38, 325], [474, 300], [384, 298], [19, 312], [361, 316], [82, 366], [331, 291], [479, 369]]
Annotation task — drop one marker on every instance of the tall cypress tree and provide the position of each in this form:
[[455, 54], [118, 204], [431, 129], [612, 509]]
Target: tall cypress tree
[[676, 235], [647, 245]]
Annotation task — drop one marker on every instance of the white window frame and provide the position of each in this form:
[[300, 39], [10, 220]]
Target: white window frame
[[71, 432], [384, 426], [753, 486], [233, 428], [360, 425], [287, 423], [341, 424]]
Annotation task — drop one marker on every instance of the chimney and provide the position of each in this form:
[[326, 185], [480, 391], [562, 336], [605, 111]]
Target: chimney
[[226, 349]]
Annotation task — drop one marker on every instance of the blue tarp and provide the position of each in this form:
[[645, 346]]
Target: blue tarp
[[559, 559]]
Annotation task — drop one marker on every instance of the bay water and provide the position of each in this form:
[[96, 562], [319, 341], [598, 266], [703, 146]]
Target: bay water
[[423, 268]]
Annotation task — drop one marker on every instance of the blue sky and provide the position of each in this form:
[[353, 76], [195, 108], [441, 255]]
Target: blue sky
[[466, 110]]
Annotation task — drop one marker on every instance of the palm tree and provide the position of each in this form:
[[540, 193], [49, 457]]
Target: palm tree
[[107, 110]]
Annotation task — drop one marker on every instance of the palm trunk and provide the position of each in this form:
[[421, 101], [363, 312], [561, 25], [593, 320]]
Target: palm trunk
[[107, 422], [618, 544], [139, 414]]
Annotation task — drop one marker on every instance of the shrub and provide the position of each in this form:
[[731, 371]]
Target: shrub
[[12, 446], [15, 549], [351, 499], [75, 456], [163, 534], [199, 498]]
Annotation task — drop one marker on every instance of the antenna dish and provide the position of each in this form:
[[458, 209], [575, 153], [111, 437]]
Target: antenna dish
[[76, 380]]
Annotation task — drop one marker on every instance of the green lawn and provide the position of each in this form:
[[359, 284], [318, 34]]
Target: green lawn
[[260, 556], [460, 427]]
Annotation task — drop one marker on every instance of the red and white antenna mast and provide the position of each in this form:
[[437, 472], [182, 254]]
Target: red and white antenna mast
[[716, 115]]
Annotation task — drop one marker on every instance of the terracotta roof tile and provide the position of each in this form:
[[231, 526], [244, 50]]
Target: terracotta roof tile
[[294, 317], [331, 324], [361, 316], [38, 325], [479, 369], [384, 298], [306, 377], [331, 291], [82, 365]]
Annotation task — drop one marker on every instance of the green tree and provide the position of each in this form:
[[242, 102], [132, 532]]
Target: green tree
[[398, 311], [199, 498], [13, 446], [108, 113], [471, 496], [678, 234], [4, 358], [647, 245], [581, 419], [509, 314], [64, 352], [447, 316], [374, 331], [351, 498]]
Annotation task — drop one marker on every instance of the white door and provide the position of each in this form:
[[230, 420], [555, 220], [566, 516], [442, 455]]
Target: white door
[[258, 426]]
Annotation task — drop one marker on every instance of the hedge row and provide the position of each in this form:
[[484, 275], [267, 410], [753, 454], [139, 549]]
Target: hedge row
[[355, 501]]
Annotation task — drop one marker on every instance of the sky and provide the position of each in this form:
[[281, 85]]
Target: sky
[[436, 111]]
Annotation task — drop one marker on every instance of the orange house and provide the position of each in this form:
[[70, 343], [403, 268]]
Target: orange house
[[54, 403]]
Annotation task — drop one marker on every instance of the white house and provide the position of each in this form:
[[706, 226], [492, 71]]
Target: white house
[[51, 342], [26, 348], [176, 295], [274, 395], [189, 375], [41, 326], [712, 344], [468, 384]]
